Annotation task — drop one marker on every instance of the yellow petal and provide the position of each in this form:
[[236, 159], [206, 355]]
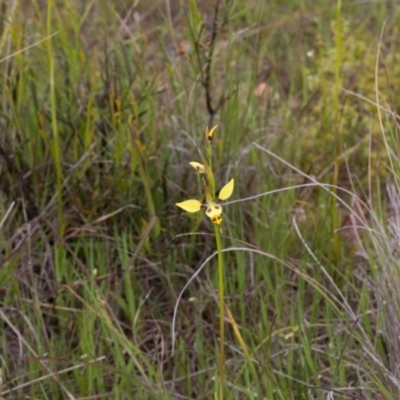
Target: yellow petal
[[198, 167], [226, 191], [210, 133], [191, 206], [217, 219], [213, 210]]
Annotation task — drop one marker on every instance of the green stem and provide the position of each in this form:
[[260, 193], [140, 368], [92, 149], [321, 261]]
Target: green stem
[[56, 140], [210, 177], [338, 141], [221, 312], [147, 190]]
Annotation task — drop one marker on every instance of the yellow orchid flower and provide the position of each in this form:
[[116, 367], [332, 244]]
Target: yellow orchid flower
[[210, 134], [213, 210], [200, 168]]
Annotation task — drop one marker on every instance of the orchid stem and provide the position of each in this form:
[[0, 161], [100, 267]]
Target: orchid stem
[[221, 312]]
